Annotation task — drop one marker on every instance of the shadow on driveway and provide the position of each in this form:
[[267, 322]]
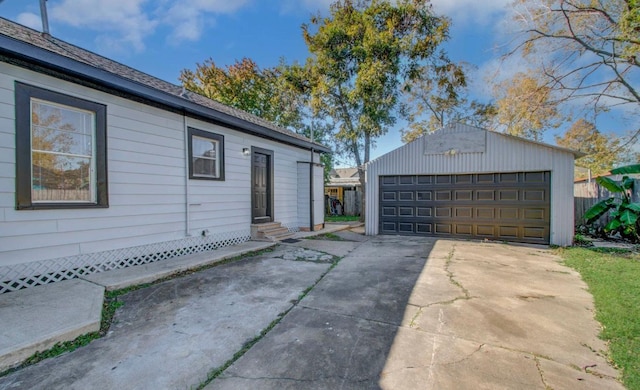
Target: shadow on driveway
[[419, 313]]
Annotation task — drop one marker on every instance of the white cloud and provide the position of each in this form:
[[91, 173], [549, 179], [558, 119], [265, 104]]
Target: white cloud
[[189, 17], [306, 6], [470, 11], [30, 20], [125, 24], [121, 22]]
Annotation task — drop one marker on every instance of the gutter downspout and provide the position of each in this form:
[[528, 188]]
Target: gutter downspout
[[311, 216], [311, 200], [187, 209], [311, 205]]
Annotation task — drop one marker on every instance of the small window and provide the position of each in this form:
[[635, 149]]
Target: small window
[[206, 155], [60, 150]]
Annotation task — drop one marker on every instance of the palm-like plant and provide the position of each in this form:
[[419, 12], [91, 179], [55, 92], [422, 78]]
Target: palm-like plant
[[624, 213]]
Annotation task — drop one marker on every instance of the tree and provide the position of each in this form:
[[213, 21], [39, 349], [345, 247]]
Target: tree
[[440, 95], [362, 55], [269, 93], [586, 49], [603, 152], [524, 107], [437, 95], [244, 85]]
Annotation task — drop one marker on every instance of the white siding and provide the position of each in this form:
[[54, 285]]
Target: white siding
[[318, 194], [147, 187], [503, 154], [304, 212], [303, 194]]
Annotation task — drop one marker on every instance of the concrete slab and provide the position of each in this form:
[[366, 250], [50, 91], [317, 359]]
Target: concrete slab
[[171, 335], [396, 312], [414, 313], [328, 228], [336, 248], [37, 318], [350, 235], [147, 273], [313, 349]]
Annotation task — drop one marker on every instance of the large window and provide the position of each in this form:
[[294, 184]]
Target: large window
[[60, 150], [206, 155]]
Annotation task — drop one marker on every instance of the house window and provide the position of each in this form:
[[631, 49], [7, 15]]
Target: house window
[[60, 150], [206, 155]]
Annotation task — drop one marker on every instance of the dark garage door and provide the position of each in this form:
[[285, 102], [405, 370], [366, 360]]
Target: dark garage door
[[496, 206]]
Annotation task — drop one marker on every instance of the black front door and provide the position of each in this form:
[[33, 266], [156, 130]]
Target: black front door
[[261, 188]]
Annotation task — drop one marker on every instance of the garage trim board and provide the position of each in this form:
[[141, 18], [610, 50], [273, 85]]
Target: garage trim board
[[512, 206]]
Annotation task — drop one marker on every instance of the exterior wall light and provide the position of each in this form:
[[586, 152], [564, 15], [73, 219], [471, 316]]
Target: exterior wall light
[[246, 151]]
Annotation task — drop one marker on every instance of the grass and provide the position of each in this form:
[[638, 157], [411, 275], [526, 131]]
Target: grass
[[613, 278], [341, 218]]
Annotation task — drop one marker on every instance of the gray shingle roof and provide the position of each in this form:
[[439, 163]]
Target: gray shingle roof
[[75, 53]]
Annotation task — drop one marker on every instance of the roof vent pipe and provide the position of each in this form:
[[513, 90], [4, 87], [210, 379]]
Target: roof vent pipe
[[45, 19]]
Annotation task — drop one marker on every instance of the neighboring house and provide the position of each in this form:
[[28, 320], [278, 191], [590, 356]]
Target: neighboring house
[[103, 166], [340, 180], [466, 182]]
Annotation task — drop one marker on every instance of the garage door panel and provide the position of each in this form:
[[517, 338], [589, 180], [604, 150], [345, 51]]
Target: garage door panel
[[463, 195], [535, 214], [424, 212], [443, 228], [389, 195], [537, 195], [534, 232], [485, 231], [405, 195], [443, 196], [502, 206], [424, 196]]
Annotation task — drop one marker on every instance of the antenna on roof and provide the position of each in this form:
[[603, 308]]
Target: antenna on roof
[[45, 19]]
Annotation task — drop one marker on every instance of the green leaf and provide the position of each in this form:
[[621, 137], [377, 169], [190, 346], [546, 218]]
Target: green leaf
[[597, 210], [634, 206], [628, 217], [613, 225], [628, 183], [610, 184], [635, 168]]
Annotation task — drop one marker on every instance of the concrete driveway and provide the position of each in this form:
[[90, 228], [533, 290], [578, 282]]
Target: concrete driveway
[[395, 313]]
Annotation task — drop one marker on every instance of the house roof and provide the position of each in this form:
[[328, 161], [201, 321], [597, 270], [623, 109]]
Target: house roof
[[343, 177], [344, 173], [21, 45]]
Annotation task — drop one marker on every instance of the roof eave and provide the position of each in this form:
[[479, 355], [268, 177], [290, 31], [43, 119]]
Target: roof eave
[[71, 67]]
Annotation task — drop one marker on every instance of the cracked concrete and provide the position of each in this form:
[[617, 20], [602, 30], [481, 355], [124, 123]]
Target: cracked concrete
[[395, 313], [414, 313]]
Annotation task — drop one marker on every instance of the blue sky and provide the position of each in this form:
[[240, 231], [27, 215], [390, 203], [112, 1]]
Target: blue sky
[[162, 37]]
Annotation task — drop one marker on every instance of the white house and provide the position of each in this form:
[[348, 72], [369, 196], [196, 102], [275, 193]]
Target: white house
[[103, 166], [466, 182]]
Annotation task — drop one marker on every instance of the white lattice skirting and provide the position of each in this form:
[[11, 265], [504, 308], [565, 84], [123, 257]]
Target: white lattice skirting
[[17, 277], [292, 227]]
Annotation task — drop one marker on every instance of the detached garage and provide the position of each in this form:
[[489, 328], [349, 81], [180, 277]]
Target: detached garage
[[467, 182]]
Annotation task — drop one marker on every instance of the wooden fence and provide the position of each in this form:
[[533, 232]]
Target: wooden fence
[[586, 195], [352, 202]]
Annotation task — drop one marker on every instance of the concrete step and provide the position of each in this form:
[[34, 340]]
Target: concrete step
[[260, 227], [264, 231], [281, 236], [275, 231]]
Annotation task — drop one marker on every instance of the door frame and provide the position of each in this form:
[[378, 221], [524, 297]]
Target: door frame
[[270, 187]]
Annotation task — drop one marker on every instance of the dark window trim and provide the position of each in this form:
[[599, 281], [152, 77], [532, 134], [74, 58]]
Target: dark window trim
[[23, 95], [212, 136]]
